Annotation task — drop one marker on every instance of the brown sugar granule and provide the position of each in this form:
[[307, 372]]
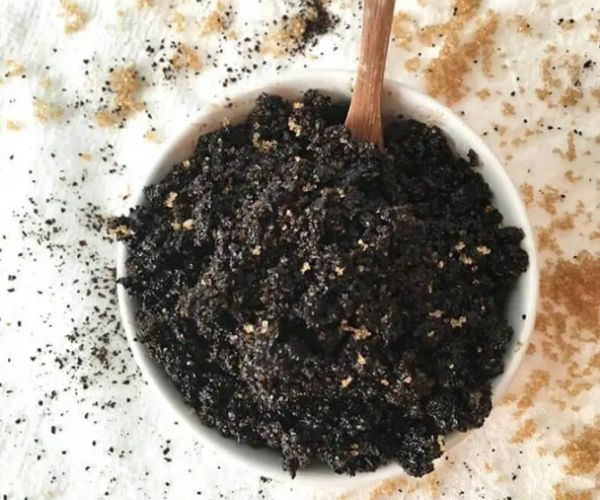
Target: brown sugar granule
[[571, 177], [561, 404], [387, 488], [550, 197], [548, 79], [125, 84], [458, 322], [186, 58], [466, 9], [177, 21], [463, 12], [571, 152], [75, 16], [431, 485], [150, 136], [550, 83], [298, 31], [508, 109], [412, 64], [430, 34], [536, 382], [562, 493], [547, 236], [575, 286], [403, 28], [547, 241], [542, 94], [85, 156], [212, 24], [596, 93], [566, 221], [46, 111], [14, 68], [595, 361], [13, 126], [525, 432], [521, 24], [552, 328], [483, 94], [170, 200], [594, 37], [531, 132], [566, 25], [573, 64], [346, 382], [215, 22], [571, 97], [357, 333], [482, 42], [145, 4], [571, 387], [526, 190], [445, 76], [428, 485], [507, 399], [121, 230], [582, 452], [279, 41], [105, 119]]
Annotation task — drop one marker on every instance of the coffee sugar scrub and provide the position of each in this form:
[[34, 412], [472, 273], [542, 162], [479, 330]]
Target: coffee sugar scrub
[[323, 298]]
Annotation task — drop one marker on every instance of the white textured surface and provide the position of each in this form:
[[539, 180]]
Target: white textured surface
[[126, 417]]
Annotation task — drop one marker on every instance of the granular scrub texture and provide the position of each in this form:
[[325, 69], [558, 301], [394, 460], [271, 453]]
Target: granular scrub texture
[[320, 297]]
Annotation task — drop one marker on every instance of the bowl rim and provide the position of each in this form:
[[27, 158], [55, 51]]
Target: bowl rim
[[206, 121]]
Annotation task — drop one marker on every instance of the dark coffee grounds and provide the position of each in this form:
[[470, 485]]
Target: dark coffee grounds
[[304, 28], [316, 296]]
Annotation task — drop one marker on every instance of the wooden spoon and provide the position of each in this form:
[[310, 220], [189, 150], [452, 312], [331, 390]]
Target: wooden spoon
[[364, 115]]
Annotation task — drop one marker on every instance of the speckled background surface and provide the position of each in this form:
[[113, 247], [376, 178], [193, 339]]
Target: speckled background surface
[[76, 419]]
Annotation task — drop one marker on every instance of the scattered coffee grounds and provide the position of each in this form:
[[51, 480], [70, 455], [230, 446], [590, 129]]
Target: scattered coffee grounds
[[302, 30], [316, 296]]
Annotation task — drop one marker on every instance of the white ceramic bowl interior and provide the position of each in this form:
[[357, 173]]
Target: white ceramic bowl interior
[[398, 99]]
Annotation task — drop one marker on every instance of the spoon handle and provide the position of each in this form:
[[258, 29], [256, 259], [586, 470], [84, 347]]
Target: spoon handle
[[364, 115]]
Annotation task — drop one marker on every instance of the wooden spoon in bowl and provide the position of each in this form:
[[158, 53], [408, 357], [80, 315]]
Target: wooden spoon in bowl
[[364, 115]]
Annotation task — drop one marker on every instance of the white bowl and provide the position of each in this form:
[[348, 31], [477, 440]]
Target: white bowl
[[398, 99]]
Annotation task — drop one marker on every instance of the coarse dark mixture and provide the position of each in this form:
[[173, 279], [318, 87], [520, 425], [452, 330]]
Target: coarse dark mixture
[[304, 28], [319, 297]]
